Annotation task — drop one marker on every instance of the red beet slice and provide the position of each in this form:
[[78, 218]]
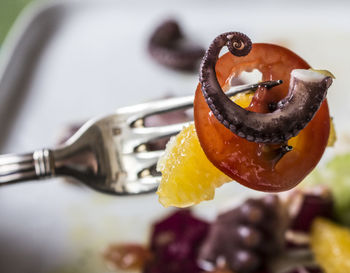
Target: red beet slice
[[313, 205], [175, 242]]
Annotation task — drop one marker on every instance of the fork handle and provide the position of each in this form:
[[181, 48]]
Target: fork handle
[[23, 167]]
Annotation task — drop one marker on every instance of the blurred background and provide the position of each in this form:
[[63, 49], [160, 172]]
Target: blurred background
[[8, 13], [62, 62]]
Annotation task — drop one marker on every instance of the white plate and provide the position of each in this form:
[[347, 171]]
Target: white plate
[[94, 62]]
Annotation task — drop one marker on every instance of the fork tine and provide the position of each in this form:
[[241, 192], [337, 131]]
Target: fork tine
[[156, 107], [143, 185], [142, 135], [149, 133], [149, 158], [143, 110]]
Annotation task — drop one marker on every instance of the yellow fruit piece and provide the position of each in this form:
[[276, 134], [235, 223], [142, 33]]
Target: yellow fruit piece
[[332, 134], [331, 246], [188, 177]]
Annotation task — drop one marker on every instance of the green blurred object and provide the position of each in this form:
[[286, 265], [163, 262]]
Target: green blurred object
[[9, 10], [336, 175]]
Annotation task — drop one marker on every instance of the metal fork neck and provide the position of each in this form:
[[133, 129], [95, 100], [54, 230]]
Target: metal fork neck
[[23, 167], [43, 163]]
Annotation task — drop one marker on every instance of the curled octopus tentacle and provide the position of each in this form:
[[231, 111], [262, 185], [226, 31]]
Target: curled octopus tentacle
[[307, 90]]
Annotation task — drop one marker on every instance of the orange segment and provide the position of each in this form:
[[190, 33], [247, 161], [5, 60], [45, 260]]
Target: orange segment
[[331, 246], [188, 177]]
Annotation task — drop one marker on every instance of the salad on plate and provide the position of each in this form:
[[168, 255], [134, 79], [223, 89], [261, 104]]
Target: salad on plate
[[268, 140]]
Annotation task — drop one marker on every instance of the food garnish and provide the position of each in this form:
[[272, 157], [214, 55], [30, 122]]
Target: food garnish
[[127, 256], [188, 177], [260, 235], [245, 237], [330, 243], [272, 142], [262, 152], [307, 90], [335, 175], [169, 47], [175, 242], [308, 204]]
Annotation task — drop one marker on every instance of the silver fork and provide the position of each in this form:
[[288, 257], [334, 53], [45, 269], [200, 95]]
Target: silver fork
[[105, 152]]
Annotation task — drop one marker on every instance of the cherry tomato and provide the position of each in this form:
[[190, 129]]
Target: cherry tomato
[[253, 164]]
